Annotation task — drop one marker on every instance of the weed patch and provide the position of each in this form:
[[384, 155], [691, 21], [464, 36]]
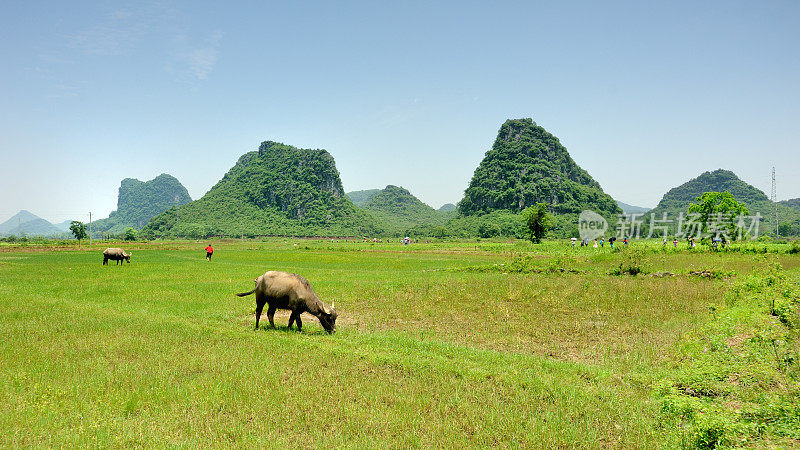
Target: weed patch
[[631, 264], [716, 274], [735, 382], [524, 264]]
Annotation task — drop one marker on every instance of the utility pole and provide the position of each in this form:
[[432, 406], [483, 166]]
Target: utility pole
[[774, 199], [90, 228]]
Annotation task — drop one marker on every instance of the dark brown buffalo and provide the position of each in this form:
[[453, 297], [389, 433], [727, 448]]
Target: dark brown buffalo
[[115, 254], [290, 291]]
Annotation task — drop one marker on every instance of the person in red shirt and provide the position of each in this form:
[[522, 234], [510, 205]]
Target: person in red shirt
[[209, 252]]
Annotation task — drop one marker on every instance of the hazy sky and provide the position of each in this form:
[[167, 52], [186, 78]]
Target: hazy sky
[[644, 96]]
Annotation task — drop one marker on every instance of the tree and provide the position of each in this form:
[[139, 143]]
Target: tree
[[489, 230], [440, 232], [129, 235], [786, 229], [78, 229], [718, 213], [537, 220]]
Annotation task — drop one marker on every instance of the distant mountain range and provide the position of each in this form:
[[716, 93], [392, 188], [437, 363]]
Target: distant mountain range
[[284, 190], [25, 223], [630, 209]]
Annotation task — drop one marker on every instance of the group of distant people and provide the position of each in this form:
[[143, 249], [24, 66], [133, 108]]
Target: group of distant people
[[405, 241], [601, 243], [716, 243]]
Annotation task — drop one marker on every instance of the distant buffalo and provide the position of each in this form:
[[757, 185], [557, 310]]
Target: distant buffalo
[[290, 291], [115, 254]]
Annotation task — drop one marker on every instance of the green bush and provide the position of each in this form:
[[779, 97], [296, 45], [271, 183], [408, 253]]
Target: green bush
[[709, 432], [129, 234], [489, 230], [631, 263], [784, 311]]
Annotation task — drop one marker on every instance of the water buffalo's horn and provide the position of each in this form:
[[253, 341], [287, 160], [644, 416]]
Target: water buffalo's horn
[[332, 305]]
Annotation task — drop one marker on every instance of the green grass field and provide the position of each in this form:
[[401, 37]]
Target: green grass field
[[437, 345]]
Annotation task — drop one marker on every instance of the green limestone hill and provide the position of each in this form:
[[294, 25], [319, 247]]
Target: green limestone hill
[[139, 201], [527, 165], [677, 200], [398, 211], [447, 207], [717, 181], [789, 227], [277, 190], [361, 198]]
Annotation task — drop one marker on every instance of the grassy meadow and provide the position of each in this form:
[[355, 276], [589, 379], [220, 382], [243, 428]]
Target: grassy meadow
[[445, 344]]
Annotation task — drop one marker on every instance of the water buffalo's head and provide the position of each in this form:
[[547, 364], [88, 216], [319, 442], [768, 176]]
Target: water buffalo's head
[[127, 257], [327, 318]]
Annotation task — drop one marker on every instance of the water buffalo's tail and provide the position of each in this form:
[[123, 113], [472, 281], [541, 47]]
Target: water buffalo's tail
[[242, 294]]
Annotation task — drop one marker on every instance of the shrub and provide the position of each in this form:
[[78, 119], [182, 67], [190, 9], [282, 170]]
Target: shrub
[[784, 311], [129, 234], [489, 230], [631, 263], [709, 432]]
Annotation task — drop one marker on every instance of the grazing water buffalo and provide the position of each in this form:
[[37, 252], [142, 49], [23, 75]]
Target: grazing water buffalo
[[115, 254], [290, 291]]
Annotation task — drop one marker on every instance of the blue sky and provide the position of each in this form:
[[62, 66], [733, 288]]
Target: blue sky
[[644, 96]]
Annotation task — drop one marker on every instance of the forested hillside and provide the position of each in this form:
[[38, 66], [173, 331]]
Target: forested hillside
[[398, 211], [361, 198], [677, 200], [527, 165], [792, 203], [138, 202], [277, 190]]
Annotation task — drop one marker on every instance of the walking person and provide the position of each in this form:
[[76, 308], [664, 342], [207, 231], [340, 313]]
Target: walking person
[[209, 252]]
